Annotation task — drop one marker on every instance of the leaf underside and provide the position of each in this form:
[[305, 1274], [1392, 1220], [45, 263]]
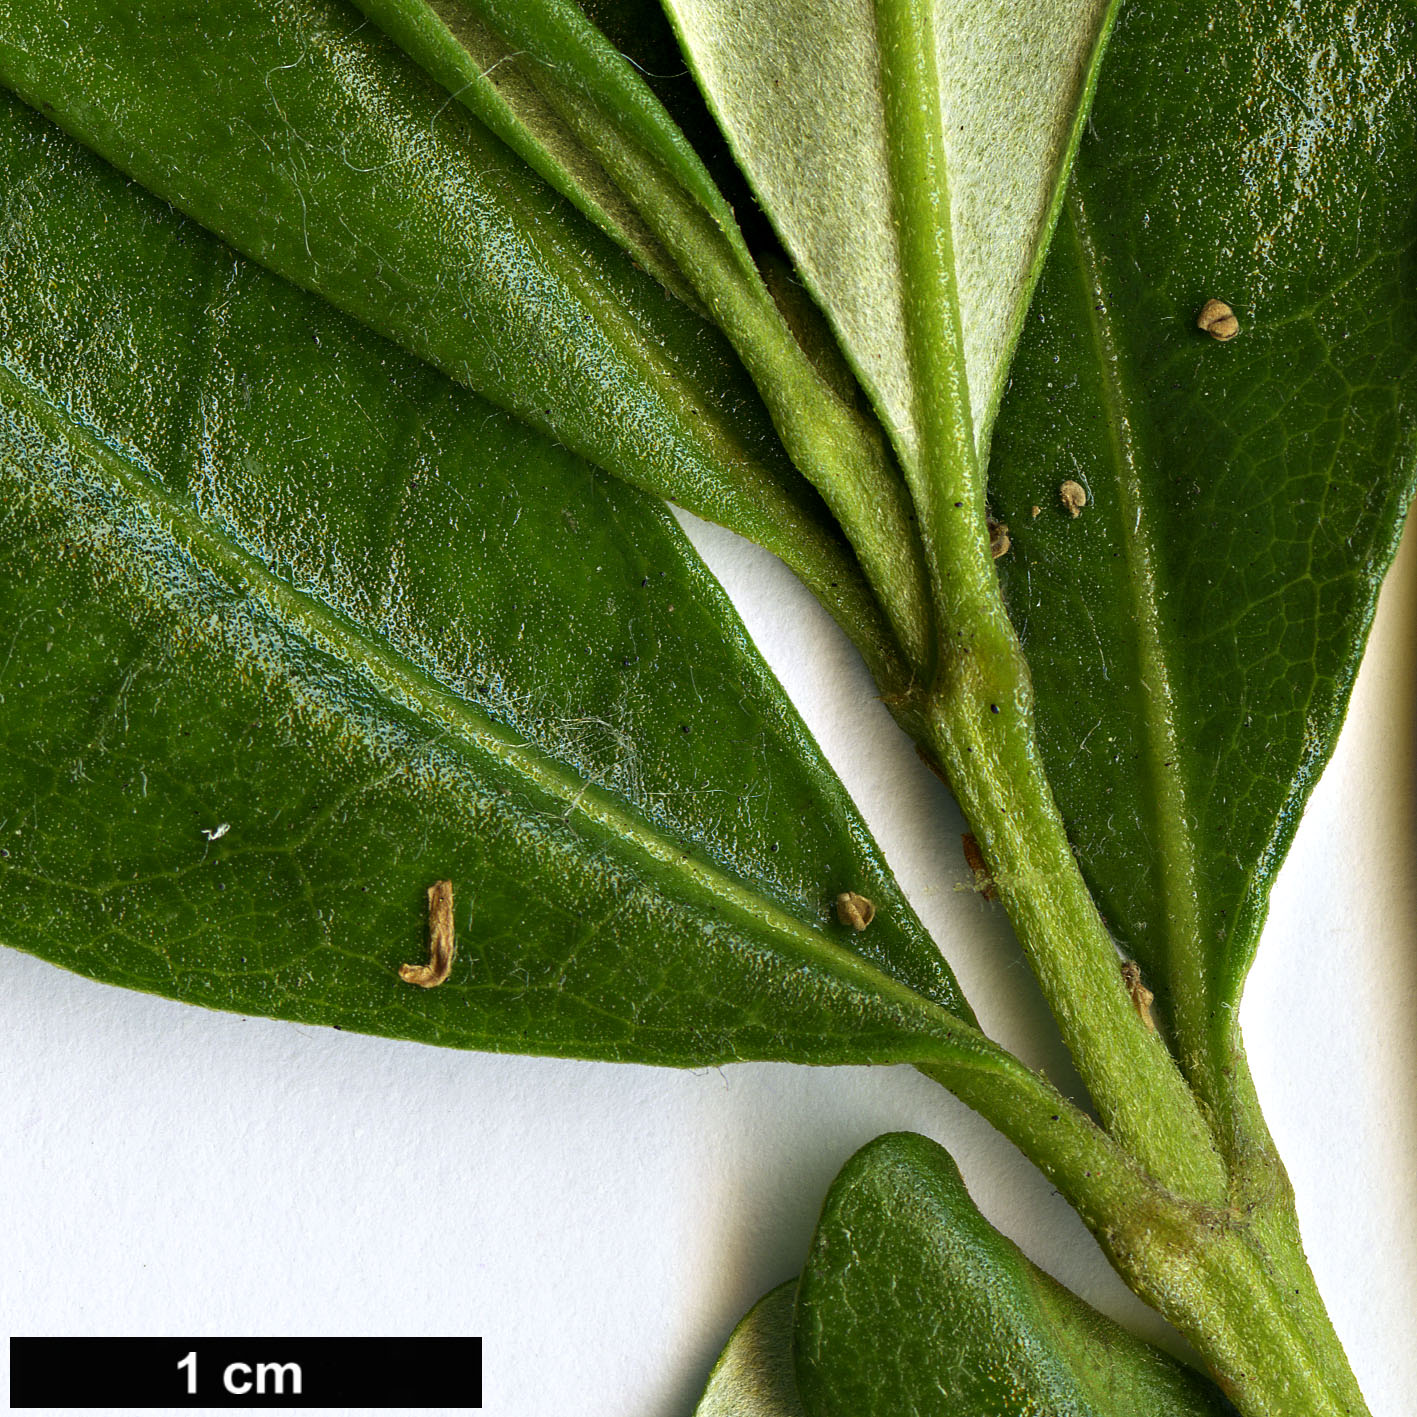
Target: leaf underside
[[1193, 635], [800, 89], [295, 628], [754, 1374]]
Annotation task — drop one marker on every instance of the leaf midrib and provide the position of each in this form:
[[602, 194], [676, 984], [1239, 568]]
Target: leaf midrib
[[1061, 190], [1184, 964], [415, 689]]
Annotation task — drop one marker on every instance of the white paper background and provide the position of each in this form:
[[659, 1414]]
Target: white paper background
[[170, 1171]]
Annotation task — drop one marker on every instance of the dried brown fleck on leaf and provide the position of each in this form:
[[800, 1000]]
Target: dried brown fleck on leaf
[[1073, 496], [855, 910], [999, 542], [442, 949], [974, 858], [1142, 997], [1218, 320]]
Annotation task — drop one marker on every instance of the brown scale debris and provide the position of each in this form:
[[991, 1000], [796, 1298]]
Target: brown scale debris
[[1218, 320], [974, 859], [855, 910], [999, 542], [1142, 997], [1073, 496], [442, 948]]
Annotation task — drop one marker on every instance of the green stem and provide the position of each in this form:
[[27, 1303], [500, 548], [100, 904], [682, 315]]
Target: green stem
[[1231, 1277], [1251, 1310], [976, 721], [1260, 1191], [978, 725], [1214, 1246], [941, 468], [1096, 1175]]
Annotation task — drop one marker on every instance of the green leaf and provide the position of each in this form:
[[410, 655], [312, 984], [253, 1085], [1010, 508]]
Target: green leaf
[[547, 82], [640, 30], [522, 100], [911, 1302], [1193, 634], [754, 1374], [308, 142], [811, 105], [295, 628]]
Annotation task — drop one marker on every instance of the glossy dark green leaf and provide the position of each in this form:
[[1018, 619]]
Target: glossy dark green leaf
[[294, 627], [542, 77], [911, 1302], [463, 49], [305, 139], [1194, 632]]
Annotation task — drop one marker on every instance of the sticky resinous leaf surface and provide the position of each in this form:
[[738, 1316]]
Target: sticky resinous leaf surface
[[1194, 631], [296, 628]]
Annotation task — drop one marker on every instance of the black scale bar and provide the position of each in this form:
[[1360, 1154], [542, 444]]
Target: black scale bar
[[408, 1373]]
